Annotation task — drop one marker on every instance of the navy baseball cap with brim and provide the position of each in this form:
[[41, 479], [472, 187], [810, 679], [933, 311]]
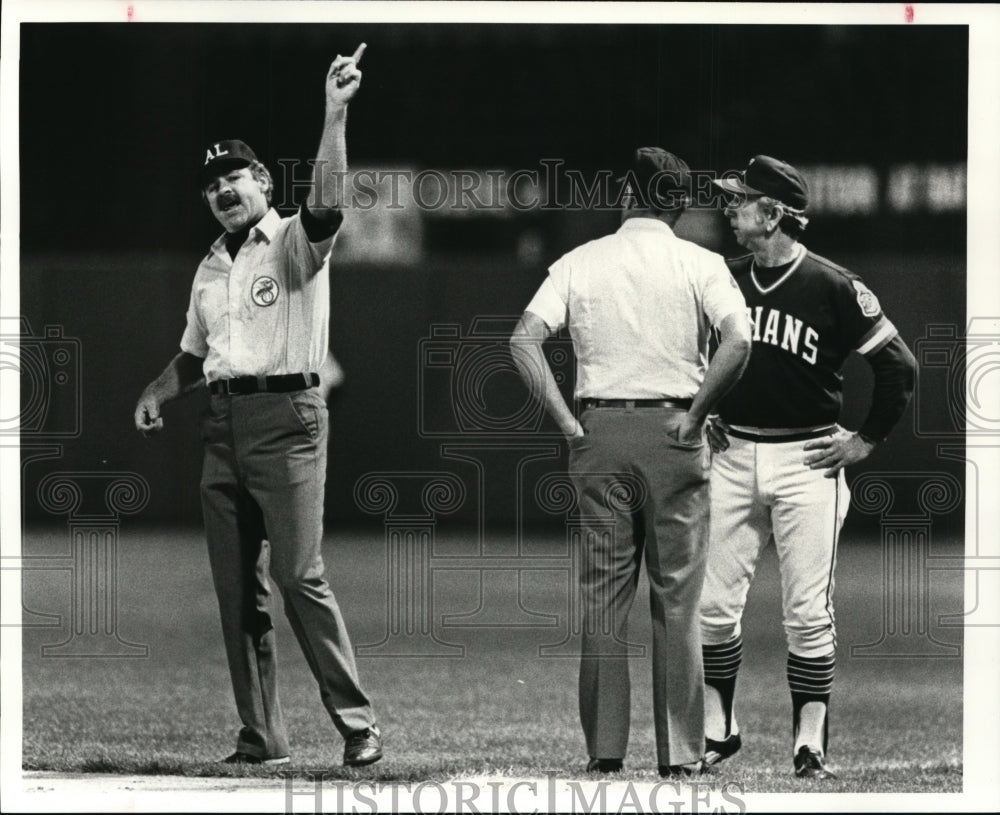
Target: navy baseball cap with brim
[[659, 173], [222, 156], [772, 177]]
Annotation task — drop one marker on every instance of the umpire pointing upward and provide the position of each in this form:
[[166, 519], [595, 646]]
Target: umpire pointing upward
[[257, 331], [640, 305]]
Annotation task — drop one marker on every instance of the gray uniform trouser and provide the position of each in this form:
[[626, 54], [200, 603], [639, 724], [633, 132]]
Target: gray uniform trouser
[[263, 478], [641, 491]]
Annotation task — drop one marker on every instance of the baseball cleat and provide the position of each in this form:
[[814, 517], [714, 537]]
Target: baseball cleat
[[716, 751], [809, 764], [363, 747], [682, 771], [604, 765], [239, 757]]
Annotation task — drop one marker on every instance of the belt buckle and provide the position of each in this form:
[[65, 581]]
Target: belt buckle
[[630, 404]]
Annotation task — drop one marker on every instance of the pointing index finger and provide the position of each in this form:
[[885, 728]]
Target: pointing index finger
[[357, 54]]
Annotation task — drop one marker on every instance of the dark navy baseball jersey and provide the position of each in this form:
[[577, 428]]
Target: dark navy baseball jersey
[[806, 318]]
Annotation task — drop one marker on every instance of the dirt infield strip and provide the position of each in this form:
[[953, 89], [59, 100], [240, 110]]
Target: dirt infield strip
[[100, 792], [84, 783]]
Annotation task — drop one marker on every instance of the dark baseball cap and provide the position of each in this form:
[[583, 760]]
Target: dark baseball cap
[[771, 177], [222, 156], [658, 173]]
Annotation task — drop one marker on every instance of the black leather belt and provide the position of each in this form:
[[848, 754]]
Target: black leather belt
[[282, 383], [587, 404], [778, 438]]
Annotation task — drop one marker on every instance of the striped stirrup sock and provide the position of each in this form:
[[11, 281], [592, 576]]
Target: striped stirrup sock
[[810, 679], [722, 663]]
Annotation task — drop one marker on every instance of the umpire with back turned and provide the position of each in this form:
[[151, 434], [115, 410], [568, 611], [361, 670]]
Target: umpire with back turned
[[640, 305], [257, 331]]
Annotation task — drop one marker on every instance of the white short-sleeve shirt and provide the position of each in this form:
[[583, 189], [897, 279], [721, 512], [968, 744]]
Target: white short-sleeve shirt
[[267, 311], [640, 304]]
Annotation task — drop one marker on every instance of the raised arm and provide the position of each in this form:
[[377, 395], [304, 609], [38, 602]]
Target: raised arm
[[329, 173], [182, 374]]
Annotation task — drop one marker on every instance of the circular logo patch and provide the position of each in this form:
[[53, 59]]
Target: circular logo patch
[[264, 291]]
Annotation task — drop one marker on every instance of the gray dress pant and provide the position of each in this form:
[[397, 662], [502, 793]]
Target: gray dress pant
[[262, 491], [641, 492]]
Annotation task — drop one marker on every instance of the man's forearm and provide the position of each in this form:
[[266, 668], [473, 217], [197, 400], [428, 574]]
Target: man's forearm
[[330, 169], [726, 367], [895, 369], [526, 350], [182, 374]]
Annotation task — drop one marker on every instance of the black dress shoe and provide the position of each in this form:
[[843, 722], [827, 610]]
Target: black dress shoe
[[604, 765], [682, 771], [363, 747], [240, 757], [716, 751], [809, 763]]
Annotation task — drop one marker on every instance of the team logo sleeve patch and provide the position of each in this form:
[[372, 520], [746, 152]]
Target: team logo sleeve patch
[[867, 300], [264, 291]]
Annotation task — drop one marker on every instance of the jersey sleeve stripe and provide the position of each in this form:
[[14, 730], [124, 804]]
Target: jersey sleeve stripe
[[876, 339]]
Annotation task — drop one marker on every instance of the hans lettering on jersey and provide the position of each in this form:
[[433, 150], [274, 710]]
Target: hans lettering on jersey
[[786, 334]]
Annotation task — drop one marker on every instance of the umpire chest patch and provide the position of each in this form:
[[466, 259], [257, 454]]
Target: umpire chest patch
[[866, 299], [264, 291]]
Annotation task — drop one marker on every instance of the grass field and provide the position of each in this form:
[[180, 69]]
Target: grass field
[[500, 710]]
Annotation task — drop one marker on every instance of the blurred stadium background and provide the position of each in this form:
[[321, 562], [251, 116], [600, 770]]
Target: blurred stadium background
[[112, 226], [113, 123]]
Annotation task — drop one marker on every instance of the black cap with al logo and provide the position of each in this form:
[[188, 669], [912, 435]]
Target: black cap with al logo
[[221, 156]]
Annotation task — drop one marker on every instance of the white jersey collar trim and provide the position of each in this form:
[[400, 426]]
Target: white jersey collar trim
[[266, 226], [768, 289]]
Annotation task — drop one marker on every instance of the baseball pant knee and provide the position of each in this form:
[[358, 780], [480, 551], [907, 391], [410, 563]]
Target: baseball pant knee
[[718, 628], [813, 641]]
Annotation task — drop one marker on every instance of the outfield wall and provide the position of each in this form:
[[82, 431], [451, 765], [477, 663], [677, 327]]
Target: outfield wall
[[124, 315]]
